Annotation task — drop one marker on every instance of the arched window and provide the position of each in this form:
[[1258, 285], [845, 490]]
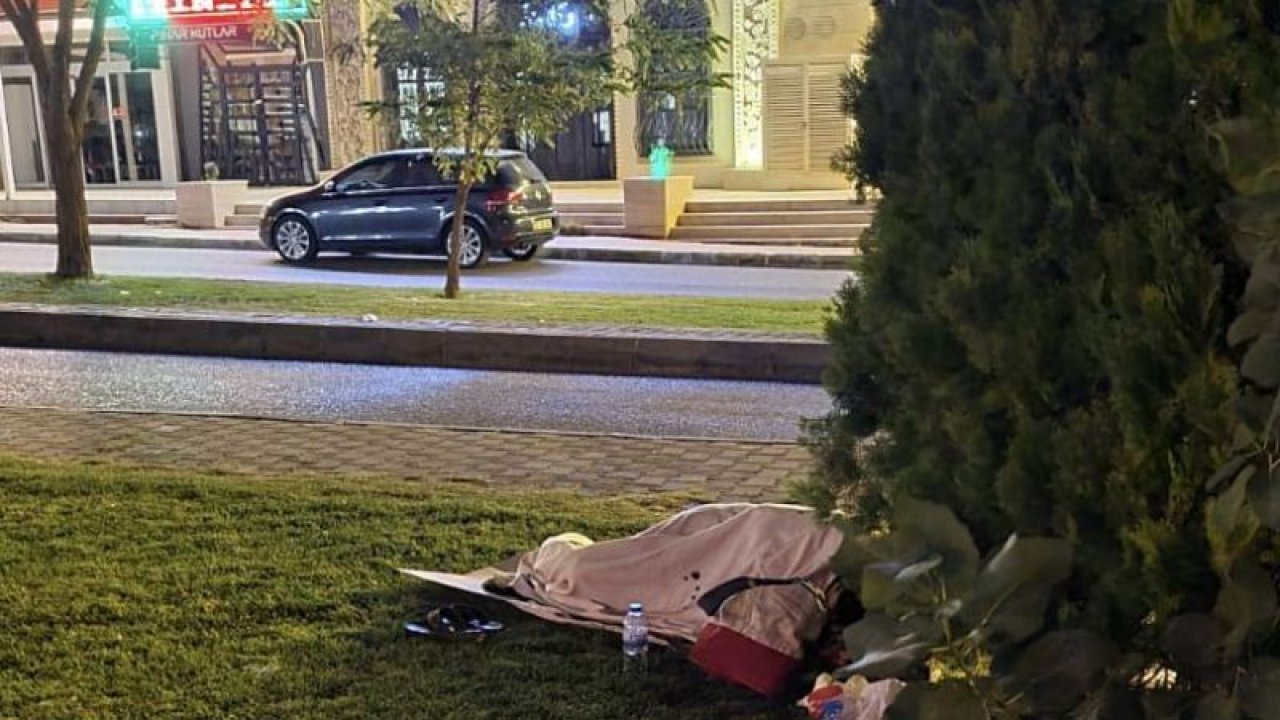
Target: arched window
[[681, 117]]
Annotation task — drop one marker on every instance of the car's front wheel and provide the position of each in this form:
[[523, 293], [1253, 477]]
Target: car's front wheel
[[475, 244], [294, 240], [522, 252]]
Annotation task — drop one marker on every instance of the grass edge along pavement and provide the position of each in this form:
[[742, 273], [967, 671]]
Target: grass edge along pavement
[[132, 593], [803, 318]]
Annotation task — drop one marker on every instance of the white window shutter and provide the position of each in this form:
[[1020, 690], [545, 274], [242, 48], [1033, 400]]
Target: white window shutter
[[827, 126], [785, 146]]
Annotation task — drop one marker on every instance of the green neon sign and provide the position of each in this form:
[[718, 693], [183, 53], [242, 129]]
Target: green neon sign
[[207, 12]]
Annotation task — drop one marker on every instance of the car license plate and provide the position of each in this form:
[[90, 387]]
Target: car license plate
[[542, 225]]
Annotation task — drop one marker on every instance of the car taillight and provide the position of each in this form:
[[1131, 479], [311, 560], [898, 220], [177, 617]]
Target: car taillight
[[503, 199]]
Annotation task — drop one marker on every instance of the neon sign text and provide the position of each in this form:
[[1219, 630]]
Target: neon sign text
[[198, 11]]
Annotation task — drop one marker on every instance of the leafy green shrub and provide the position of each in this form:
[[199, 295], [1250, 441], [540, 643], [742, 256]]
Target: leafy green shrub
[[1037, 336], [1065, 337], [987, 630]]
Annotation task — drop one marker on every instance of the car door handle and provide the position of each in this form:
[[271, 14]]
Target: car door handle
[[380, 203]]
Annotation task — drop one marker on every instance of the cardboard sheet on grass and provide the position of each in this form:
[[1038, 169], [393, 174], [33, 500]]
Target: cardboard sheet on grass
[[721, 550], [473, 584]]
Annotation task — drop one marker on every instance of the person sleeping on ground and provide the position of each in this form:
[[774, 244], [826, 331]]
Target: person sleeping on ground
[[749, 584]]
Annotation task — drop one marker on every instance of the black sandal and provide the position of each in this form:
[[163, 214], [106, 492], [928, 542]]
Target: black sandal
[[454, 621], [476, 620]]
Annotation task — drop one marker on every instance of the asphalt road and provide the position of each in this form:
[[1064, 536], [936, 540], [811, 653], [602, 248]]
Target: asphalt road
[[458, 398], [629, 278]]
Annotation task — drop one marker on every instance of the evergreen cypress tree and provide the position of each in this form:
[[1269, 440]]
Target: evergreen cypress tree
[[1035, 336]]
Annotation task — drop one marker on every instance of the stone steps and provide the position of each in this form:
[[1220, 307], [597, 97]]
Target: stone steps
[[605, 230], [775, 206], [784, 222], [718, 232], [94, 219], [608, 219], [144, 206], [809, 242], [852, 218], [589, 208]]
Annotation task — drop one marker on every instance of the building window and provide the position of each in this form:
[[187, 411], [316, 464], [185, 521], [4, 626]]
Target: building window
[[414, 88], [120, 140], [602, 127], [681, 120]]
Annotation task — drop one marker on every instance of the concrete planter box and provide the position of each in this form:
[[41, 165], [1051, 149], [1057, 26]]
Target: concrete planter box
[[652, 207], [205, 204]]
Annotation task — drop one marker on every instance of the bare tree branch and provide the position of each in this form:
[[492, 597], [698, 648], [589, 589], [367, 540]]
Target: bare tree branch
[[23, 18], [97, 39]]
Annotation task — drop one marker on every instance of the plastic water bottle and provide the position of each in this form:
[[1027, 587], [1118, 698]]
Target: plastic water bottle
[[635, 640]]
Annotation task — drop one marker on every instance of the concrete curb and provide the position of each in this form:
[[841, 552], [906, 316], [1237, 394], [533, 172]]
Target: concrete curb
[[130, 240], [384, 343], [677, 257], [550, 252]]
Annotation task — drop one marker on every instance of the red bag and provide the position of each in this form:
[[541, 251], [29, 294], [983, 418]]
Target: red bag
[[759, 630], [731, 656]]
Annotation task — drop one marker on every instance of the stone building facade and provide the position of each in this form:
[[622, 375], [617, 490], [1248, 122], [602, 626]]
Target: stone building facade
[[775, 128], [285, 110]]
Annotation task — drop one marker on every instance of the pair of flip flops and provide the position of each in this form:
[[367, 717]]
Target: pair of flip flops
[[454, 621]]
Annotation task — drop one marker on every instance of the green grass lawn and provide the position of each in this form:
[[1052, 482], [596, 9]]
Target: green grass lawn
[[799, 316], [140, 594]]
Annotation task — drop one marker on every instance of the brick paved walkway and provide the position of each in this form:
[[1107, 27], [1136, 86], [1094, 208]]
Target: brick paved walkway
[[597, 464]]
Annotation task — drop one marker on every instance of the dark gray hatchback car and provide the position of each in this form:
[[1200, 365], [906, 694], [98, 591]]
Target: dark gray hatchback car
[[399, 202]]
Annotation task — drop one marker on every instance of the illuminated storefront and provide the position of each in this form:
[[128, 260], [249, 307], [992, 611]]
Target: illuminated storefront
[[129, 137], [779, 122], [213, 94], [281, 113]]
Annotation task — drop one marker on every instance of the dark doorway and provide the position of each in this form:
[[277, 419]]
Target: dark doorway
[[584, 151]]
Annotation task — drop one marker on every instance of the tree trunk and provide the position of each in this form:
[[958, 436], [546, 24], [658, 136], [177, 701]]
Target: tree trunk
[[453, 277], [66, 166]]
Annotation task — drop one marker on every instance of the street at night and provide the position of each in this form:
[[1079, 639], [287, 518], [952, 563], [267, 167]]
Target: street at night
[[430, 396], [428, 273]]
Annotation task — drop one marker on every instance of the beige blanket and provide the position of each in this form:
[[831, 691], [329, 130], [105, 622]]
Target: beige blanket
[[668, 567]]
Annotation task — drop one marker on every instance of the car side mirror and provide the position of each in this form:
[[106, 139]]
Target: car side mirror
[[330, 186]]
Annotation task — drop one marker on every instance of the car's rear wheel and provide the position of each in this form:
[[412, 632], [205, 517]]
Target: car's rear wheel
[[522, 252], [294, 240], [475, 244]]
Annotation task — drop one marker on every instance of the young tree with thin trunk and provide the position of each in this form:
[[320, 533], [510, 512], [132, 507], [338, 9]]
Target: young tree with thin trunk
[[64, 102], [483, 71], [487, 68]]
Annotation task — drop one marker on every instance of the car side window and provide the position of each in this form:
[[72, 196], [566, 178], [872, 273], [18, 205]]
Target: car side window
[[379, 174], [421, 171]]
